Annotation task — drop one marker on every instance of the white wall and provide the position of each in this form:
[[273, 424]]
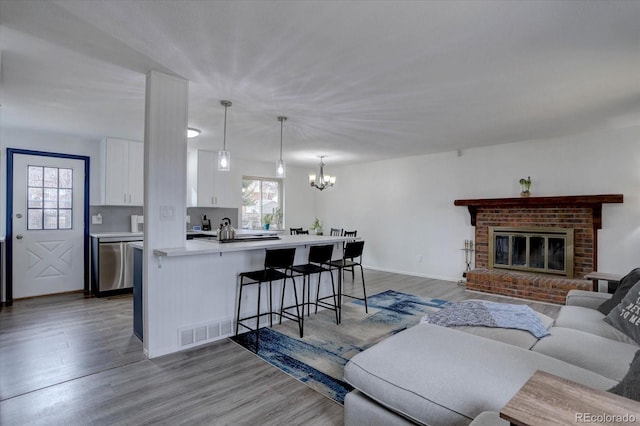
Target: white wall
[[404, 208]]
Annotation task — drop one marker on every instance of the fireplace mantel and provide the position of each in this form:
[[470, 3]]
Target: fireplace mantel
[[592, 201]]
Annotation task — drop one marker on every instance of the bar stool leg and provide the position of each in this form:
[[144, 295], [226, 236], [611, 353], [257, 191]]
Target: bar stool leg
[[340, 272], [239, 302], [270, 306], [364, 290]]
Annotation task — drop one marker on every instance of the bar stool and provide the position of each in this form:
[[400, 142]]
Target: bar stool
[[351, 234], [277, 266], [336, 232], [318, 255], [294, 231], [352, 251]]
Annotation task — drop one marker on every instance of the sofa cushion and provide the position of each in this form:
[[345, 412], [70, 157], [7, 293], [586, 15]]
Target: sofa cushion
[[595, 353], [439, 376], [626, 316], [629, 386], [489, 418], [360, 410], [520, 338], [590, 321], [625, 285]]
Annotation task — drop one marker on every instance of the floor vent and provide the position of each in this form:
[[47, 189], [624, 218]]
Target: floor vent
[[202, 333]]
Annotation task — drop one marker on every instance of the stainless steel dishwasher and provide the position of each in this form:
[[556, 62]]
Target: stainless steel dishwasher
[[113, 265]]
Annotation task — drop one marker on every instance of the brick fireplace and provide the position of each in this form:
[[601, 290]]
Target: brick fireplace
[[582, 214]]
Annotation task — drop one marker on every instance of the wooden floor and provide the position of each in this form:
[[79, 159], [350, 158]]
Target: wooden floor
[[74, 360]]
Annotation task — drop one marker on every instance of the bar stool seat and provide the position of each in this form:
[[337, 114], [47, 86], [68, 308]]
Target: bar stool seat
[[277, 266]]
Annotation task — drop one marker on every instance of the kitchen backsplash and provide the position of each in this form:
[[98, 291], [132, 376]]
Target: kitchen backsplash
[[118, 218], [213, 214], [114, 218]]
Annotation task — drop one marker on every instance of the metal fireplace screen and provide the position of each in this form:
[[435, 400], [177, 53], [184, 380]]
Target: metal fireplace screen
[[544, 250]]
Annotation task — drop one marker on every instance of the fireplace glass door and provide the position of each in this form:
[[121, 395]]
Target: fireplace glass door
[[532, 249]]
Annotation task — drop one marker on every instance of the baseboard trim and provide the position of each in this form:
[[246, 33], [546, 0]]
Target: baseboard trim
[[413, 274]]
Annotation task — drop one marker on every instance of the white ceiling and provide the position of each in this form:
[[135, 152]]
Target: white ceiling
[[359, 80]]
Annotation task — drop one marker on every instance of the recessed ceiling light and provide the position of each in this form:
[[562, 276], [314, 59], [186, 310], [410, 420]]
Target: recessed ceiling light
[[193, 132]]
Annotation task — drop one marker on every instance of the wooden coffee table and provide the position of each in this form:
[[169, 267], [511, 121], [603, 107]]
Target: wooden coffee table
[[547, 400]]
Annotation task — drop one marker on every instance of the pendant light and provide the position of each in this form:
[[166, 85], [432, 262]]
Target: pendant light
[[224, 158], [280, 167]]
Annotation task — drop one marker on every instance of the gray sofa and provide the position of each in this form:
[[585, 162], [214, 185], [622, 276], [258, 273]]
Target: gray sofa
[[441, 376]]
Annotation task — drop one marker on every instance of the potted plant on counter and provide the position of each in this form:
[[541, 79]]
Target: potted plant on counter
[[266, 221], [316, 226]]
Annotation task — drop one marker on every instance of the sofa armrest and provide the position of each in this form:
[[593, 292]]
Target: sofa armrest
[[586, 299]]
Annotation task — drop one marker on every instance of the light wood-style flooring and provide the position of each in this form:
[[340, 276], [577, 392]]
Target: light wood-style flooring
[[68, 359]]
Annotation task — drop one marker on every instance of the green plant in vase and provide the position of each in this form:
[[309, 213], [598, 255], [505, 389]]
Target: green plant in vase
[[316, 226], [525, 186]]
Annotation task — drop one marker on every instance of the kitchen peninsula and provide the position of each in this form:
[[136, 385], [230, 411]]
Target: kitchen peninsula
[[199, 305]]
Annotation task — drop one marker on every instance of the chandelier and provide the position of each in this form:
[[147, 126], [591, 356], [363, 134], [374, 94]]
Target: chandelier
[[323, 181]]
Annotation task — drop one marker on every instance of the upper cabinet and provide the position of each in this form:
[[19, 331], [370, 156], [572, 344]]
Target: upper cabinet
[[207, 187], [123, 172]]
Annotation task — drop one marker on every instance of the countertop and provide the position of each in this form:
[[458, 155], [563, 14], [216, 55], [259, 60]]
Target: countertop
[[197, 247], [116, 234], [211, 233]]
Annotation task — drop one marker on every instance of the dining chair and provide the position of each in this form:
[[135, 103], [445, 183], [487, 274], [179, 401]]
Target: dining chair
[[294, 231], [336, 232]]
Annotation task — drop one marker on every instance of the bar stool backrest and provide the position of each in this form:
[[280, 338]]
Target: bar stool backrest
[[294, 231], [320, 254], [279, 258], [353, 249]]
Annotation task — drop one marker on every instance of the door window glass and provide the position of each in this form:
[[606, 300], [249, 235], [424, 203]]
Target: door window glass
[[49, 198]]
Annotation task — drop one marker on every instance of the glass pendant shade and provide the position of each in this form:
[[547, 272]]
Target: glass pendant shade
[[224, 161], [280, 169]]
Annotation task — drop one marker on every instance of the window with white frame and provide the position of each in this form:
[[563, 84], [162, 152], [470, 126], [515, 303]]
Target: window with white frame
[[262, 203]]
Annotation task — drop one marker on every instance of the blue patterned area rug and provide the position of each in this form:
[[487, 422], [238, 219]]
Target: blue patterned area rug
[[319, 358]]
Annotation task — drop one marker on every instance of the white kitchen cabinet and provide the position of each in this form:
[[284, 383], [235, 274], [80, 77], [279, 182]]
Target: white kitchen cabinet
[[207, 187], [123, 172]]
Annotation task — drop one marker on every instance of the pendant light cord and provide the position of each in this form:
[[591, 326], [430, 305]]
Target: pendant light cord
[[224, 139], [281, 126]]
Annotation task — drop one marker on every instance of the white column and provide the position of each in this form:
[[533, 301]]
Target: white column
[[165, 183]]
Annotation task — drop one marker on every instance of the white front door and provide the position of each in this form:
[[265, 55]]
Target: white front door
[[47, 225]]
